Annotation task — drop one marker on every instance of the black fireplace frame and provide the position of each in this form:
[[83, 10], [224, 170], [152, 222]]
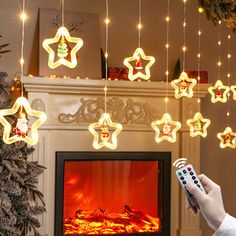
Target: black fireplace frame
[[164, 159]]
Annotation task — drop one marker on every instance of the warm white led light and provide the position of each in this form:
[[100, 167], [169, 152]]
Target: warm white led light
[[23, 16], [107, 21], [166, 128], [105, 132], [62, 36], [137, 56], [140, 26], [198, 125], [184, 86], [219, 92], [21, 130]]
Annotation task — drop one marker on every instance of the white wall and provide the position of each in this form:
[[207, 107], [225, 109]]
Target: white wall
[[123, 40]]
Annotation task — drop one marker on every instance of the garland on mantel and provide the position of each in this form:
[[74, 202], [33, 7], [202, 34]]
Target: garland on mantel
[[220, 10]]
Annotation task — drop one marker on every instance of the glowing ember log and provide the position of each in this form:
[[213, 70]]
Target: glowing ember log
[[101, 222]]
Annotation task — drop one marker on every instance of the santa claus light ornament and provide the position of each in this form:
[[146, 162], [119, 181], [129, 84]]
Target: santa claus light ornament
[[21, 132]]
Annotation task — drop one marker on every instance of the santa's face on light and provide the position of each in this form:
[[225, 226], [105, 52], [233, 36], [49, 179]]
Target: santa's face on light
[[22, 124], [166, 129]]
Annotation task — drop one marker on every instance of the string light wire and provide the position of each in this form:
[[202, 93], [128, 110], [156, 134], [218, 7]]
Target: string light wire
[[107, 21], [199, 58], [167, 52], [139, 23], [23, 17], [184, 36], [228, 74], [63, 13]]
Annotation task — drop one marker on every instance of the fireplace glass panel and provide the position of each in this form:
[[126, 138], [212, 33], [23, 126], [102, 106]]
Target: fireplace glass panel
[[102, 197], [112, 194]]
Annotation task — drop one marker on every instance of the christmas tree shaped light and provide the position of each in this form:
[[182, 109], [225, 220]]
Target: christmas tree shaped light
[[219, 92], [166, 129], [62, 37], [227, 138], [21, 130], [105, 132], [198, 125]]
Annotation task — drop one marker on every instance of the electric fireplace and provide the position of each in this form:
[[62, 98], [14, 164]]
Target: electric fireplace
[[112, 193]]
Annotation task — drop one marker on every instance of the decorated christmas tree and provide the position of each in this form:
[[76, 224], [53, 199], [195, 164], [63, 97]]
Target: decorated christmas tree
[[220, 10], [20, 200], [2, 48]]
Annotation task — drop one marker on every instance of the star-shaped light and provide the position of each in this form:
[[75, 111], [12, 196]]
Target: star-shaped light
[[136, 72], [233, 89], [227, 138], [166, 128], [62, 37], [198, 125], [21, 130], [102, 132], [219, 92], [183, 86]]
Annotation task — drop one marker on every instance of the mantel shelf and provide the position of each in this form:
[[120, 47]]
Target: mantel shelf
[[96, 86]]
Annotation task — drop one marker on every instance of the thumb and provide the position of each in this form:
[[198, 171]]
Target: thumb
[[197, 193]]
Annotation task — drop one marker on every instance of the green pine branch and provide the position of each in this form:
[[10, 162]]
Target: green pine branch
[[220, 10]]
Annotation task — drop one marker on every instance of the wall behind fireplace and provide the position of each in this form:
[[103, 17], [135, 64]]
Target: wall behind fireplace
[[123, 40]]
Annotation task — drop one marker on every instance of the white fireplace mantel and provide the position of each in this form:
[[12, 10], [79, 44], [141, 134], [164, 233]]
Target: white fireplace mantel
[[72, 104]]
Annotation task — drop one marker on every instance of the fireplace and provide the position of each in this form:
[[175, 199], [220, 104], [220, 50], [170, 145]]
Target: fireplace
[[112, 193], [71, 105]]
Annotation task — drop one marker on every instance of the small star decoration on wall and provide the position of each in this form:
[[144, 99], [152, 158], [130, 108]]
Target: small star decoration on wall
[[21, 129], [184, 86], [166, 129], [219, 92], [62, 37], [227, 138], [198, 125], [136, 72], [105, 132]]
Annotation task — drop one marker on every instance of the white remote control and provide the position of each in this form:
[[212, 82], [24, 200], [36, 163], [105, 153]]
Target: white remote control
[[185, 175]]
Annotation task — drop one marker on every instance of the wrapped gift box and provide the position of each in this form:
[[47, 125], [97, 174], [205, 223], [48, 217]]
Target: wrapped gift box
[[118, 73], [203, 76]]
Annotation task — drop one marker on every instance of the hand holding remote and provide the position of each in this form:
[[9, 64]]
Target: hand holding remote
[[210, 204]]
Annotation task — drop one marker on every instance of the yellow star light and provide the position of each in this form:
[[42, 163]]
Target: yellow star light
[[62, 37], [184, 86], [22, 133], [196, 125], [166, 128], [102, 130], [233, 89], [137, 56], [227, 138], [219, 95]]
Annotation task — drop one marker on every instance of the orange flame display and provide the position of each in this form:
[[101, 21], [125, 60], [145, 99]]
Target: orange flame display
[[100, 222]]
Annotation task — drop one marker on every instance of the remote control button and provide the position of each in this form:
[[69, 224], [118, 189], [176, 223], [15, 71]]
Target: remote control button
[[196, 182], [182, 178], [189, 169], [184, 171], [191, 173], [179, 173], [198, 186], [194, 177], [184, 182]]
